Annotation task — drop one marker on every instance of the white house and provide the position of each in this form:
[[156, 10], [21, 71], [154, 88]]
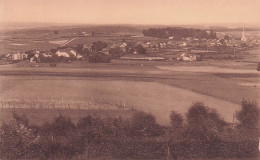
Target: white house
[[73, 52], [186, 57], [47, 55], [35, 58], [123, 46], [62, 54], [16, 56], [79, 56]]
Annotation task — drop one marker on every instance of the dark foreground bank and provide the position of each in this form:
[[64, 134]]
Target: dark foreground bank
[[201, 134]]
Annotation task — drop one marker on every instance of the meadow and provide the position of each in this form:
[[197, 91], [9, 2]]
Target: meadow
[[156, 90]]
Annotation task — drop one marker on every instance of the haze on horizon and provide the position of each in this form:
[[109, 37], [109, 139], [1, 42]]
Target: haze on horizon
[[167, 12]]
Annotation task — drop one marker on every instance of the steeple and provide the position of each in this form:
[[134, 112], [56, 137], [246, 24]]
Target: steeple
[[243, 37]]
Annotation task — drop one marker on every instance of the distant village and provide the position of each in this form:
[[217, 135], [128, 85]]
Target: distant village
[[101, 52]]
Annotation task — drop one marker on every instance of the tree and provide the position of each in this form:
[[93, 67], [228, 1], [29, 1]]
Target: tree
[[97, 57], [176, 119], [56, 32], [17, 139], [117, 52], [204, 124], [144, 125], [248, 115], [140, 49], [79, 48], [98, 46], [226, 37]]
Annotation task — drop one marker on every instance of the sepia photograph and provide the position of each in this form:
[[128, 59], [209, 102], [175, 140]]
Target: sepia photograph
[[129, 79]]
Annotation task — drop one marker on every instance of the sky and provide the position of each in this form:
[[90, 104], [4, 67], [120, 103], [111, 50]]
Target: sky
[[165, 12]]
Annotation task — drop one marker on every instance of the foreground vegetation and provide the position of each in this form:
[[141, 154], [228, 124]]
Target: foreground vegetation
[[201, 134]]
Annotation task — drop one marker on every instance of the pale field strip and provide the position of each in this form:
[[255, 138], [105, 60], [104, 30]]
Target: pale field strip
[[209, 69], [59, 104]]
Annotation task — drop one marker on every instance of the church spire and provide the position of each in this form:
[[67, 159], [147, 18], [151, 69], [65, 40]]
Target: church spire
[[243, 38]]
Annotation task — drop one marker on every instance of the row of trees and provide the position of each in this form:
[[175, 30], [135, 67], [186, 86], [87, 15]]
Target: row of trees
[[178, 33], [202, 133]]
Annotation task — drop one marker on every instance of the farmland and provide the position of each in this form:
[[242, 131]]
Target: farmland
[[155, 89]]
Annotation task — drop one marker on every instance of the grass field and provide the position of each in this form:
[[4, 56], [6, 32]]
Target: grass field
[[147, 88]]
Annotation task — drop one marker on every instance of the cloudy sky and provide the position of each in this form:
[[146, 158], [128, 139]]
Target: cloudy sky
[[131, 11]]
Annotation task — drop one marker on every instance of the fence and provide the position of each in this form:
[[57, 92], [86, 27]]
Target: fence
[[91, 104]]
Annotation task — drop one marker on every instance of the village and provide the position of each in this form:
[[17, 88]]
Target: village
[[176, 49]]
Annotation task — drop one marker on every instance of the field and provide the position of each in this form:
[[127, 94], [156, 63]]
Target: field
[[155, 89]]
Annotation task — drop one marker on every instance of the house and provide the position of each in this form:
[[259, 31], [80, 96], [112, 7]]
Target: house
[[62, 54], [8, 57], [105, 50], [73, 53], [162, 45], [86, 33], [183, 44], [147, 45], [47, 55], [188, 57], [171, 37], [123, 47], [24, 56], [35, 58], [16, 56], [79, 56], [66, 53]]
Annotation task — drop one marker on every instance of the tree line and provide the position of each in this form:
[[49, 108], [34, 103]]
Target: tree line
[[202, 133], [178, 33]]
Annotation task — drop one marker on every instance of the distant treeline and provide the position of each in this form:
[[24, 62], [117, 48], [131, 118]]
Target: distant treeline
[[178, 33], [201, 134]]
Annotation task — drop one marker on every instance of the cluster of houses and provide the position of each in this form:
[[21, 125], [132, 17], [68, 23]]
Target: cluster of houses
[[191, 42], [38, 56], [63, 52], [71, 53]]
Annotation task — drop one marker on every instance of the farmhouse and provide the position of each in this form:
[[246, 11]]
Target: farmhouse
[[123, 47], [79, 56], [47, 55], [66, 53], [16, 56], [35, 58], [188, 57]]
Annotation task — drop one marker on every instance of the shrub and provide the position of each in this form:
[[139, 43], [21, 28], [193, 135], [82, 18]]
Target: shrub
[[99, 58], [144, 125], [176, 120], [248, 115], [204, 124]]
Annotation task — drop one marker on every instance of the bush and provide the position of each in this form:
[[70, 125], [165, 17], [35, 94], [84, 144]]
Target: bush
[[99, 58], [204, 124], [117, 52], [144, 125], [176, 120], [249, 115]]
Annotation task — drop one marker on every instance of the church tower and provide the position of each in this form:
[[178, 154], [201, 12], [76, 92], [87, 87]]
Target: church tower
[[243, 38]]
